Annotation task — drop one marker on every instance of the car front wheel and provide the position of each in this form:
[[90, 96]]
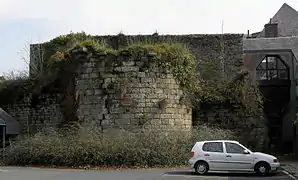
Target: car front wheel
[[262, 168], [201, 168]]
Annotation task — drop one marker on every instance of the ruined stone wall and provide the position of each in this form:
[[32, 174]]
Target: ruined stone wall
[[45, 112], [145, 91], [125, 95], [114, 91], [249, 129], [205, 47]]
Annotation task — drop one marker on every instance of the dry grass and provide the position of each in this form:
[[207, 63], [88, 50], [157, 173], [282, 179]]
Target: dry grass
[[148, 148]]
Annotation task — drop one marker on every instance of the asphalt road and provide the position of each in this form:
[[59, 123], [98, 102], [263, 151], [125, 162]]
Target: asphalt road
[[20, 173]]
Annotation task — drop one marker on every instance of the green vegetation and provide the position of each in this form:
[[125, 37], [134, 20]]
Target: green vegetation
[[60, 68], [238, 94], [143, 119], [148, 148], [208, 88], [13, 90], [173, 57]]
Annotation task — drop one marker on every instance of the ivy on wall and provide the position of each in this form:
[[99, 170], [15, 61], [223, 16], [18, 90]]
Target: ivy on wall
[[61, 65]]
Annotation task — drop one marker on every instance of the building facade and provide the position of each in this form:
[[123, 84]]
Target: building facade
[[271, 56]]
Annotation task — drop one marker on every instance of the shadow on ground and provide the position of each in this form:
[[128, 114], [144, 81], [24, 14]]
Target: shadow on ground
[[221, 174]]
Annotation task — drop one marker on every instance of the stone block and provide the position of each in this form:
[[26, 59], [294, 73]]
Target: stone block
[[93, 75], [128, 69], [158, 91], [165, 116], [155, 122], [133, 91], [128, 63], [141, 105], [147, 80], [84, 76], [128, 116], [121, 122], [149, 104], [145, 90], [146, 109], [141, 74], [89, 92], [98, 92], [89, 70]]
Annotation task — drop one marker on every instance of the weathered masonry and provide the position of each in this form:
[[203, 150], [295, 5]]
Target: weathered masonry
[[151, 98], [144, 85], [146, 91], [124, 94]]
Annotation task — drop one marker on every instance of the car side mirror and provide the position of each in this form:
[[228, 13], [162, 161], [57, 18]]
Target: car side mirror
[[246, 152]]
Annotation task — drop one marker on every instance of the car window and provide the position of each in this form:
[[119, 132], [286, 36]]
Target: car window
[[213, 147], [234, 148]]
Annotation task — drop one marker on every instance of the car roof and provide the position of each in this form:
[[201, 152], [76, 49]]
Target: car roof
[[219, 141]]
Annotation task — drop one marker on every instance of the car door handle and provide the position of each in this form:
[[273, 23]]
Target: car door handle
[[228, 156], [206, 155]]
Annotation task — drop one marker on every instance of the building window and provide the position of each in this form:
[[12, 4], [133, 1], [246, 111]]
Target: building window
[[272, 67]]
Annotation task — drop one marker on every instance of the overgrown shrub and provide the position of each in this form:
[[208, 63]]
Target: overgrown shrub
[[147, 148]]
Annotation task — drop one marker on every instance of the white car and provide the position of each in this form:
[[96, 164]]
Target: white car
[[225, 155]]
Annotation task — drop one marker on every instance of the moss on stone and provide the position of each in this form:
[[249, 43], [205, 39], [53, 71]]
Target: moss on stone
[[170, 57], [238, 93], [175, 58]]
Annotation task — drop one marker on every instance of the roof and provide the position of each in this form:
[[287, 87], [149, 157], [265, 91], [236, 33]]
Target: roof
[[287, 19], [12, 125], [2, 122]]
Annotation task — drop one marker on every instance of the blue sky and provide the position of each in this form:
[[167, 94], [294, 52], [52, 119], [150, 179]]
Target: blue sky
[[31, 21]]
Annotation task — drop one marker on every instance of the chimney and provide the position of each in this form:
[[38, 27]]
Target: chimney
[[271, 30]]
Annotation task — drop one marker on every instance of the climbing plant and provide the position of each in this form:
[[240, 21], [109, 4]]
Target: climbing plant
[[61, 64]]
